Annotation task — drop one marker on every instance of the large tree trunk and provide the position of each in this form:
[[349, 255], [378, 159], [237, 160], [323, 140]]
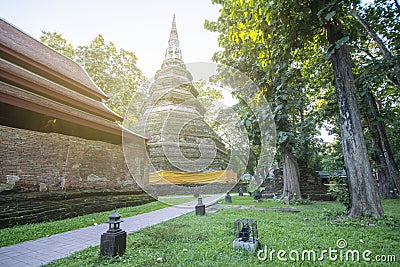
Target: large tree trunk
[[385, 52], [388, 173], [386, 184], [291, 175], [364, 196]]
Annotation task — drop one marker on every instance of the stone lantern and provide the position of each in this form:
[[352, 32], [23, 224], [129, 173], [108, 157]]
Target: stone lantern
[[113, 242], [200, 207], [240, 192], [246, 234], [228, 198], [258, 196]]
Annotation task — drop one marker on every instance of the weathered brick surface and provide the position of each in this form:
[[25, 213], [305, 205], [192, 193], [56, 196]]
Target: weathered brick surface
[[35, 161]]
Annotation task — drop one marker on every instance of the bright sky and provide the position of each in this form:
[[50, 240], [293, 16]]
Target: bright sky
[[141, 26]]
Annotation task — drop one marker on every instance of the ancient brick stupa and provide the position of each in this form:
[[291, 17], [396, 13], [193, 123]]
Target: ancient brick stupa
[[181, 141]]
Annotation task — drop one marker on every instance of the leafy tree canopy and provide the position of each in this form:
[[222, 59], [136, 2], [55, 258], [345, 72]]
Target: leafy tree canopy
[[113, 70]]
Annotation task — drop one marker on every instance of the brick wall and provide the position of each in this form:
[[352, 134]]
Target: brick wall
[[35, 161]]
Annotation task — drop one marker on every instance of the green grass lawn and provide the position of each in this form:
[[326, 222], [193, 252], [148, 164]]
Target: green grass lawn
[[18, 234], [192, 240]]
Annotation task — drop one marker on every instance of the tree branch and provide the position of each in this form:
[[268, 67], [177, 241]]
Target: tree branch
[[386, 53]]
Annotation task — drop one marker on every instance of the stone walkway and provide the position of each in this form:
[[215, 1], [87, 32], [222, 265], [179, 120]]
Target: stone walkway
[[44, 250]]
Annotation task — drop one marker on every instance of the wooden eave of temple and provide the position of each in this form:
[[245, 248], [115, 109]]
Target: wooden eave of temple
[[36, 78]]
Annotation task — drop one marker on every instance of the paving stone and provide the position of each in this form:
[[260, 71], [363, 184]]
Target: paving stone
[[44, 250]]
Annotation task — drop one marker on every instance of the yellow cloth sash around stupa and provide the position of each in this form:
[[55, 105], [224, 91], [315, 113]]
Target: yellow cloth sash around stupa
[[166, 177]]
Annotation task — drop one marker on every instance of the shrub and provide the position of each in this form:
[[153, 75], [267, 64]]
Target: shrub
[[340, 190]]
